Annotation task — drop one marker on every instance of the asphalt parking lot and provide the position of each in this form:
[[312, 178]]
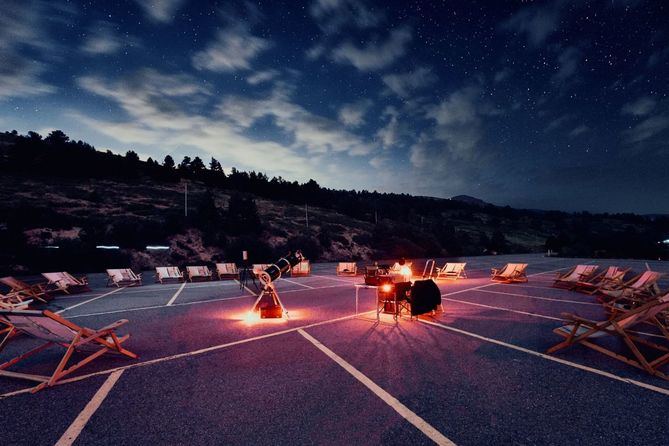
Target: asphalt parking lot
[[474, 374]]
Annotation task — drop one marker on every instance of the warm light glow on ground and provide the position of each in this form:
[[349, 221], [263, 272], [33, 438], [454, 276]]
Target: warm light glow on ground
[[386, 288], [250, 318]]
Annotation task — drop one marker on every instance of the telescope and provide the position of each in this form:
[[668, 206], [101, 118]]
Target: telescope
[[268, 304]]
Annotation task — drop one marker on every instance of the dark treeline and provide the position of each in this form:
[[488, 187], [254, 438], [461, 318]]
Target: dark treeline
[[404, 224]]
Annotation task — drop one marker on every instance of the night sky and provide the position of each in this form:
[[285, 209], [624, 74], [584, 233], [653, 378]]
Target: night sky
[[549, 105]]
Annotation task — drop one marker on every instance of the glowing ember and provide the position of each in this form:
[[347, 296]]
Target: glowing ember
[[386, 288]]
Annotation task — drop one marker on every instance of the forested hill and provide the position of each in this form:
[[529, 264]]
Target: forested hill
[[58, 192]]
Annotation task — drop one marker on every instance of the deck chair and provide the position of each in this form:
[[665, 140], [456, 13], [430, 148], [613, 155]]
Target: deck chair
[[227, 271], [579, 273], [198, 273], [452, 271], [612, 277], [347, 269], [123, 277], [642, 285], [510, 273], [302, 269], [166, 274], [55, 330], [34, 292], [585, 332], [65, 282]]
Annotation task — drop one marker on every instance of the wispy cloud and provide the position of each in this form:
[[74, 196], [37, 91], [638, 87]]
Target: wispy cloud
[[536, 22], [640, 107], [388, 135], [375, 54], [353, 115], [333, 15], [233, 49], [648, 128], [160, 11], [260, 77], [103, 39], [559, 122], [568, 61], [405, 84], [578, 131]]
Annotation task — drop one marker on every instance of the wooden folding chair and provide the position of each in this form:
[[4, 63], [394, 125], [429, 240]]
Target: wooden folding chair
[[35, 292], [14, 301], [642, 285], [510, 273], [65, 282], [123, 277], [584, 332], [302, 269], [227, 271], [58, 331], [579, 273], [198, 273], [452, 271], [612, 277], [166, 274], [347, 269]]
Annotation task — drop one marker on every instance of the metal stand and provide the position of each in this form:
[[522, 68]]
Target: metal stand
[[244, 274], [269, 292]]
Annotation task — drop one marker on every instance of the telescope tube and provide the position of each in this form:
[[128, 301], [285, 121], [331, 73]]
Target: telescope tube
[[282, 266]]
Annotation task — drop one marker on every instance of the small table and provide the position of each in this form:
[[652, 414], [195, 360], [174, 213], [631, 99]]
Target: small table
[[379, 308]]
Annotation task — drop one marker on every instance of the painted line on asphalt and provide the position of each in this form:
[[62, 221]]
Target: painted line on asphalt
[[406, 413], [79, 423], [174, 297], [336, 279], [297, 283], [188, 354], [246, 288], [575, 365], [90, 300], [551, 299]]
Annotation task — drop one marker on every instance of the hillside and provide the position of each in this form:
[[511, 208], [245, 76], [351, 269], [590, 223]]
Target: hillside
[[62, 193]]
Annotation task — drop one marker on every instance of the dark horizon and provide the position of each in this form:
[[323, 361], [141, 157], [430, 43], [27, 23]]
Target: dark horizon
[[550, 106]]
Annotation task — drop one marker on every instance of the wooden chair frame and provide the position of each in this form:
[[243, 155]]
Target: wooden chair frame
[[516, 275], [302, 269], [66, 282], [347, 269], [613, 276], [195, 274], [123, 277], [578, 273], [169, 277], [619, 326], [98, 342], [452, 271], [34, 292], [227, 271]]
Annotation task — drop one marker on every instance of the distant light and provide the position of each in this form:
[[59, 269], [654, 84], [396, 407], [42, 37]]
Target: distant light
[[666, 242], [51, 247], [386, 288], [107, 247], [157, 247]]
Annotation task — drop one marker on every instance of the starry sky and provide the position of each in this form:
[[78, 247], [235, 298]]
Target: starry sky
[[547, 105]]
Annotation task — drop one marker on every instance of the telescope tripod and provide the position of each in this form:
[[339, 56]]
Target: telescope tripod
[[271, 297]]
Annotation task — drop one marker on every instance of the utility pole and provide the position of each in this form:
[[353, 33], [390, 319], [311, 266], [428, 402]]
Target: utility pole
[[306, 214], [186, 199]]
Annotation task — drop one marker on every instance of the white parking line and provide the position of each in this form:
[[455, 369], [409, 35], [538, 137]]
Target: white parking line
[[579, 302], [90, 300], [72, 432], [174, 297], [186, 354], [297, 283], [406, 413], [334, 278], [634, 382]]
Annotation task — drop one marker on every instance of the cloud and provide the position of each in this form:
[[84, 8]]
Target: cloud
[[260, 77], [647, 128], [376, 54], [640, 107], [406, 83], [312, 133], [160, 11], [233, 49], [23, 41], [333, 15], [103, 40], [389, 134], [559, 122], [568, 61], [536, 22], [353, 115], [502, 75], [578, 131]]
